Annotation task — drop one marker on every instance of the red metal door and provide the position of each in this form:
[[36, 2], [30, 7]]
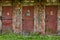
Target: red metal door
[[28, 18], [7, 18], [51, 19]]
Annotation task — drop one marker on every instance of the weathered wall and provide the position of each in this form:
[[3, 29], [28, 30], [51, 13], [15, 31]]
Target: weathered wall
[[17, 18], [0, 19], [58, 28], [39, 17]]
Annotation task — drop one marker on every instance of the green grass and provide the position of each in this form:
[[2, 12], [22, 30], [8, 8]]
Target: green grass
[[30, 37]]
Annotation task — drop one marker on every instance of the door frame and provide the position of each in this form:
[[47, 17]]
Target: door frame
[[33, 17], [8, 19], [45, 15]]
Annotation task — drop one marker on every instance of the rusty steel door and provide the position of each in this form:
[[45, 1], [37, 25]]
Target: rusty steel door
[[28, 18], [7, 18], [51, 19]]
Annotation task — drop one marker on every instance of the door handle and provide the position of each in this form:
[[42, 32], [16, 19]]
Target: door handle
[[46, 16], [22, 19], [46, 20], [1, 17]]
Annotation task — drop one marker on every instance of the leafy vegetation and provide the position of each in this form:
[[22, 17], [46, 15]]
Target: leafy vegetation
[[33, 36]]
